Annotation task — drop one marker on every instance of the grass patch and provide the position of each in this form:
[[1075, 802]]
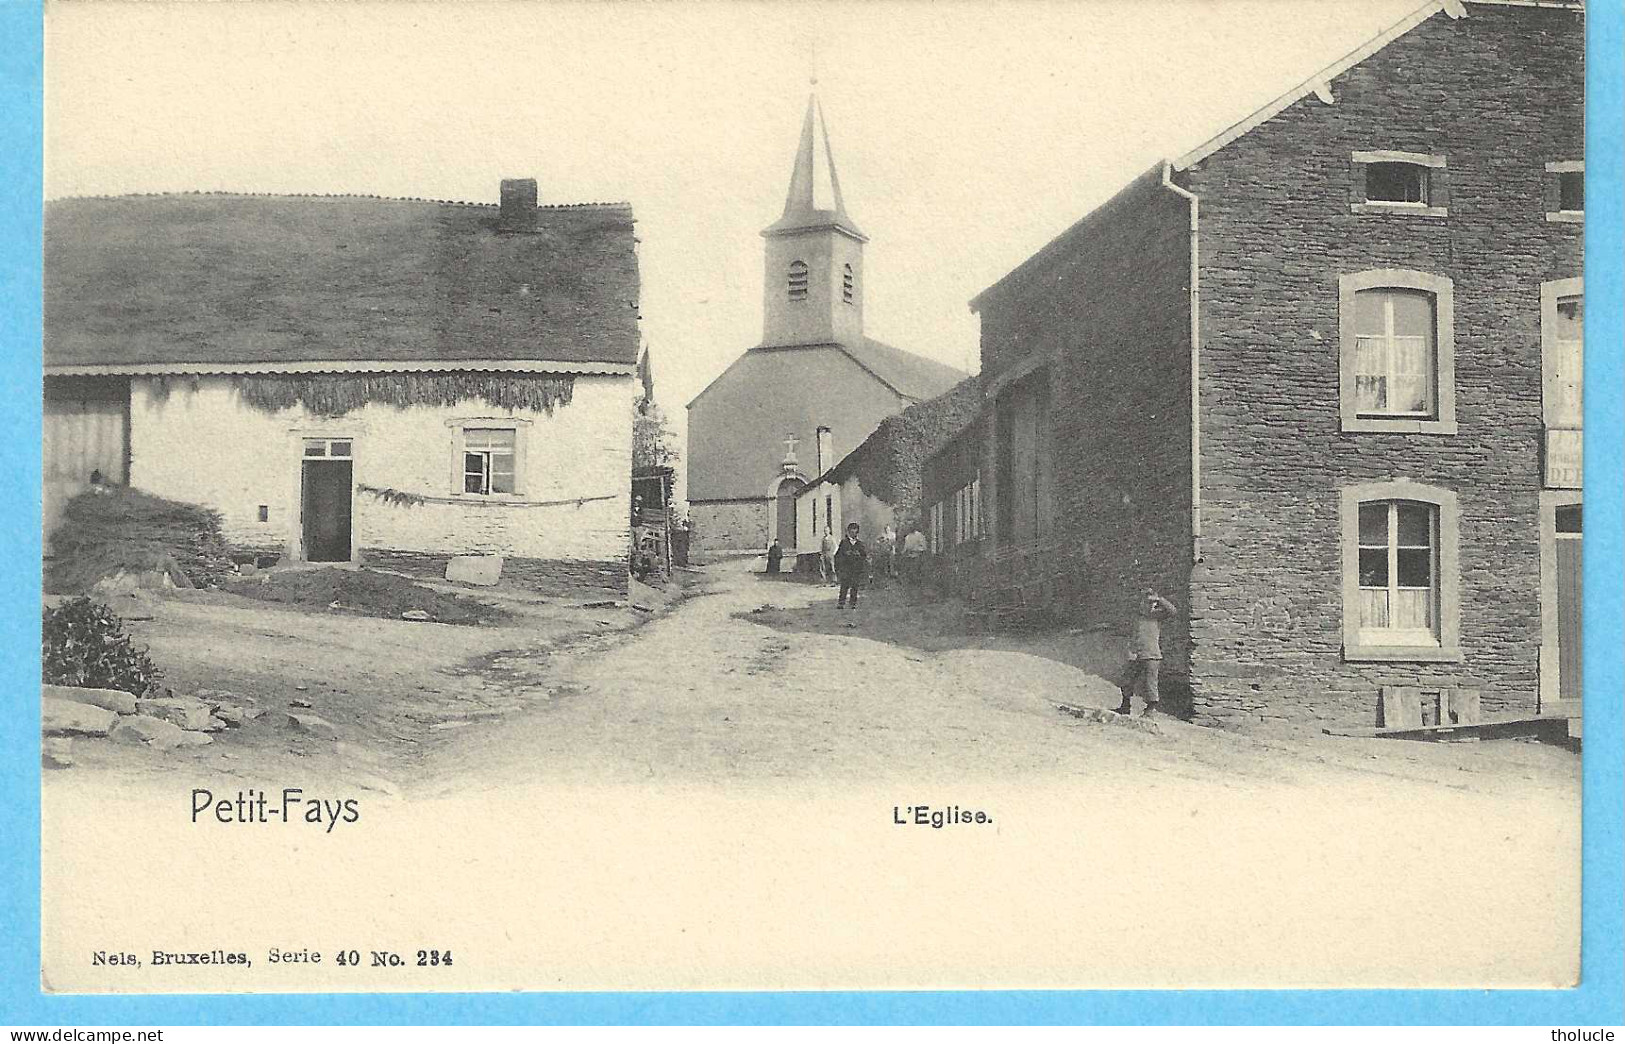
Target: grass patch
[[361, 591], [112, 530]]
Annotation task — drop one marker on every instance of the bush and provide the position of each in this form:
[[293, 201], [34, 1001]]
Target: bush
[[111, 530], [85, 645]]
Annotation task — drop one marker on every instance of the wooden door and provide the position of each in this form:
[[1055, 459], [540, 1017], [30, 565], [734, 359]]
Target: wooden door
[[326, 510], [1569, 637], [787, 516]]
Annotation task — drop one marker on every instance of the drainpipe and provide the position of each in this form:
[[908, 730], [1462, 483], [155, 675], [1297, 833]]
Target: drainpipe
[[1196, 364]]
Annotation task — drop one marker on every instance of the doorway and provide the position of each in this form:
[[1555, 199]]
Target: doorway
[[1569, 597], [785, 512], [325, 500]]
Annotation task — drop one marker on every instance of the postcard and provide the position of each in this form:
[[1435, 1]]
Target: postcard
[[555, 497]]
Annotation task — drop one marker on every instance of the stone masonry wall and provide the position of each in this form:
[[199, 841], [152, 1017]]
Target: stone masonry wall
[[722, 526], [1110, 303], [1498, 94]]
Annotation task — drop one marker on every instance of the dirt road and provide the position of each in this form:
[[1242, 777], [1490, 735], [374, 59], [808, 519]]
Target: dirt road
[[762, 682], [725, 797]]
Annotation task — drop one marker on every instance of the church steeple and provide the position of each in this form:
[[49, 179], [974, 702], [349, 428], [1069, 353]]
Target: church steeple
[[814, 199], [813, 285]]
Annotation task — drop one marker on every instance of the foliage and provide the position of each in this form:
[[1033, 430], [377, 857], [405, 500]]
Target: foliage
[[110, 530], [334, 395], [653, 442], [84, 644]]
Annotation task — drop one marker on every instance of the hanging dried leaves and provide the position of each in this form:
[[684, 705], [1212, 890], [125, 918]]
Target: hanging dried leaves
[[334, 395]]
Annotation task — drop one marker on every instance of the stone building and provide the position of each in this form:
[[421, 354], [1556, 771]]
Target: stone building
[[1319, 380], [353, 378], [753, 433]]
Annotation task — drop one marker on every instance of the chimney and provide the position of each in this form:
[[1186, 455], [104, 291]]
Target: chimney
[[826, 450], [518, 212]]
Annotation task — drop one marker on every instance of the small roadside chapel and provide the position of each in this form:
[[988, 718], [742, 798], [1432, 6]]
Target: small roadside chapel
[[349, 379]]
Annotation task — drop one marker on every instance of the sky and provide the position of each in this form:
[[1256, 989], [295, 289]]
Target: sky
[[966, 134]]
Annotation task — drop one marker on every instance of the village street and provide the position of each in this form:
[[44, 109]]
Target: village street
[[709, 796], [763, 681]]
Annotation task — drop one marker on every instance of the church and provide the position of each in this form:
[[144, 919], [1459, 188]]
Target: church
[[787, 410]]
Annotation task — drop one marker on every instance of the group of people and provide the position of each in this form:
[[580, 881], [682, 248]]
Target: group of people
[[847, 562]]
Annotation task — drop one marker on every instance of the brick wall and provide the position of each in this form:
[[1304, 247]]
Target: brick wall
[[1499, 94], [200, 444]]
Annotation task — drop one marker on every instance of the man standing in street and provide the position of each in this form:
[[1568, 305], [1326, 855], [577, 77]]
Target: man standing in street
[[1145, 652], [913, 555], [826, 557], [851, 560], [888, 552]]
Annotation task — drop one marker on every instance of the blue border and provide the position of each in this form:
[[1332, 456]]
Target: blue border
[[1600, 999]]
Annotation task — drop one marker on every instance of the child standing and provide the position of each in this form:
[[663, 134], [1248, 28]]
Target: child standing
[[1145, 652]]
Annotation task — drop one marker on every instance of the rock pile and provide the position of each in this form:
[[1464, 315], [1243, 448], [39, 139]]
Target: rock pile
[[162, 723]]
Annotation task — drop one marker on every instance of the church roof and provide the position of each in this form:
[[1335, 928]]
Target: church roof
[[228, 282], [911, 376], [814, 199]]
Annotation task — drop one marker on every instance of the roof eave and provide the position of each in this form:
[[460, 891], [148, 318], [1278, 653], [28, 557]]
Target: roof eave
[[1318, 81], [337, 366]]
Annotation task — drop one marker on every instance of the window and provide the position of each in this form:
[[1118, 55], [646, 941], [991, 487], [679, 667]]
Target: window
[[1396, 183], [1413, 183], [1568, 370], [488, 460], [1393, 368], [1571, 192], [339, 448], [849, 286], [798, 280], [1562, 360], [1400, 584], [1398, 562], [1566, 191], [1397, 352]]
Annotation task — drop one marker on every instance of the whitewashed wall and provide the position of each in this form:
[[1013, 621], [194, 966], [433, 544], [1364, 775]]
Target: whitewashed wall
[[202, 445]]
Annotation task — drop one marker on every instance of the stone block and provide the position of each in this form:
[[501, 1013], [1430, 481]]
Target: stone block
[[58, 717], [142, 730], [56, 752], [181, 711], [107, 699], [484, 570], [311, 725]]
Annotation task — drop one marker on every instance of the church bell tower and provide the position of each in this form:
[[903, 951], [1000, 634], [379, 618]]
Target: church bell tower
[[813, 285]]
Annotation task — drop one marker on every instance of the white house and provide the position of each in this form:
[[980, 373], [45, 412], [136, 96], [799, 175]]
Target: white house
[[352, 378]]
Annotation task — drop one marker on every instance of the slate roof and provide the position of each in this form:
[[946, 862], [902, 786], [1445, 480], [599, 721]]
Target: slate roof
[[234, 280]]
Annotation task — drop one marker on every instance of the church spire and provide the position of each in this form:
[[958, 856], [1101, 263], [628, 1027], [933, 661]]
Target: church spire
[[814, 199]]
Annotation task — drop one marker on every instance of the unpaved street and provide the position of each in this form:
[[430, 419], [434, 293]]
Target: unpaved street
[[711, 800], [761, 682]]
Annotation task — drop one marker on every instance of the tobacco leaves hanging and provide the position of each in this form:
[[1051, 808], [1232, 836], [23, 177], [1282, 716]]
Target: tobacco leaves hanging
[[334, 395]]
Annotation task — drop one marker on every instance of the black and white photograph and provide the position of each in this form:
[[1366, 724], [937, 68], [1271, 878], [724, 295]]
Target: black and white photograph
[[867, 496]]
